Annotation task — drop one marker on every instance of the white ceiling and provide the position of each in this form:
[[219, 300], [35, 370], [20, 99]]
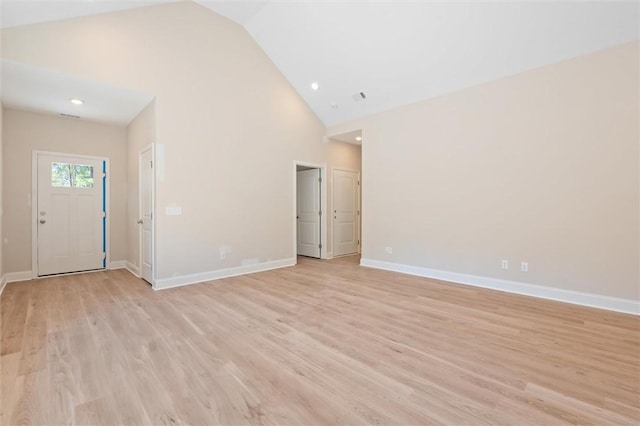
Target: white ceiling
[[397, 52], [23, 12], [36, 89], [403, 52]]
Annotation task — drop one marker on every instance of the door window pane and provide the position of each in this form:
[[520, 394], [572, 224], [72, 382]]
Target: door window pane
[[83, 176], [66, 175], [61, 175]]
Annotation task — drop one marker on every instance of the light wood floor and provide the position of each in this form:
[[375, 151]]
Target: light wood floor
[[324, 342]]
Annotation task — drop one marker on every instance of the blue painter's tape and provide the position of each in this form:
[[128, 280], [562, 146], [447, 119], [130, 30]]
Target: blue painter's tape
[[104, 211]]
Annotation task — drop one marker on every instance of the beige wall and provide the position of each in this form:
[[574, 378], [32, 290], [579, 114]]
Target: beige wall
[[140, 134], [345, 155], [24, 132], [228, 122], [540, 167]]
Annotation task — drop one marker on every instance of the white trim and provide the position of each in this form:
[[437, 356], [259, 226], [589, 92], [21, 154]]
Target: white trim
[[117, 264], [329, 255], [34, 213], [333, 202], [182, 280], [627, 306], [3, 284], [12, 277], [323, 207], [107, 211], [34, 204], [133, 269]]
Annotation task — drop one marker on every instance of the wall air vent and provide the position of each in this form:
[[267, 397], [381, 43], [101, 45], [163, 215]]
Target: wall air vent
[[62, 114], [359, 96]]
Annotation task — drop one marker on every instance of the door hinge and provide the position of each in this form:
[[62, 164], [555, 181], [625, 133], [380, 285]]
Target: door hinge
[[104, 214], [358, 242], [320, 213], [320, 180], [358, 212], [358, 183], [151, 162], [320, 246], [104, 255]]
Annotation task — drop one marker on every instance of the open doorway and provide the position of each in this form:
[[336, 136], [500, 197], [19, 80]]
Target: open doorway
[[309, 204], [346, 196]]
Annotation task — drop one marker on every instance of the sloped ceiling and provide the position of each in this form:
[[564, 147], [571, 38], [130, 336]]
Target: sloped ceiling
[[396, 52], [402, 52]]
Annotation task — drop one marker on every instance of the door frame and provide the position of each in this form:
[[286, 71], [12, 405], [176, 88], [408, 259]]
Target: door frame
[[323, 207], [151, 147], [34, 206], [333, 199]]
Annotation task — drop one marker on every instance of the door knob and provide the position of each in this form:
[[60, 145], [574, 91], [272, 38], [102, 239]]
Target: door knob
[[42, 221], [139, 221]]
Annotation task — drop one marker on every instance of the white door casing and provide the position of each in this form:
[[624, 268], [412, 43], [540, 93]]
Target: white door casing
[[145, 220], [308, 212], [69, 213], [346, 212]]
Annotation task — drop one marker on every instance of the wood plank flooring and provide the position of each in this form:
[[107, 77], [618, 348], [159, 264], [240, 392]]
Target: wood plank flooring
[[321, 343]]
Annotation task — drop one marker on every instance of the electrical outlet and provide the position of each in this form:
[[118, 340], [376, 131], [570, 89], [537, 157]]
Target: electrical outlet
[[504, 264], [389, 250], [524, 266]]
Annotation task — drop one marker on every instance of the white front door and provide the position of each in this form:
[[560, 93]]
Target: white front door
[[146, 215], [346, 214], [308, 212], [70, 214]]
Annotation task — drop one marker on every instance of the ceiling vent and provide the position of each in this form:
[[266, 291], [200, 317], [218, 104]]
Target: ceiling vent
[[359, 96], [69, 115]]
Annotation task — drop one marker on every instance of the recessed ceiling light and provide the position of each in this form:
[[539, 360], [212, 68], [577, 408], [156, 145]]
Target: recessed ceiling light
[[76, 101], [358, 138], [315, 85]]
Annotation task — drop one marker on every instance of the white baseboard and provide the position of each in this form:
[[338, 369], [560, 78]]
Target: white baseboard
[[328, 255], [179, 281], [133, 269], [117, 264], [627, 306], [125, 264], [13, 277]]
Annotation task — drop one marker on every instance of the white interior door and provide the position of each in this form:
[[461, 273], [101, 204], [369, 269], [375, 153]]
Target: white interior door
[[71, 215], [146, 215], [308, 212], [346, 212]]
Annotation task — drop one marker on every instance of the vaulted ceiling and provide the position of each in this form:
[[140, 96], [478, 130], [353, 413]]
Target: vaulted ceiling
[[395, 52]]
